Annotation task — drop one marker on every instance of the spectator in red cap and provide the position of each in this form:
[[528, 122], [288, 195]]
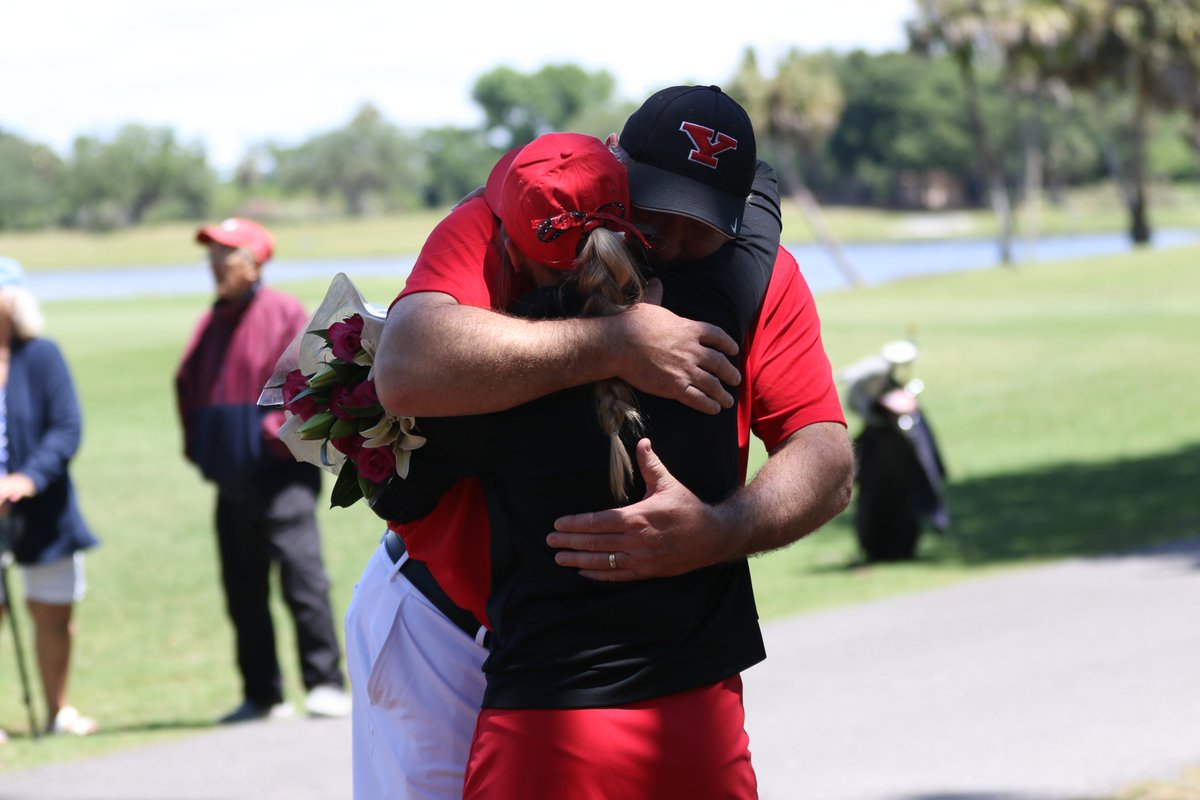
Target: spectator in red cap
[[266, 500]]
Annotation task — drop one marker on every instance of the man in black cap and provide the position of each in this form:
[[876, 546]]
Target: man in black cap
[[691, 157], [695, 170]]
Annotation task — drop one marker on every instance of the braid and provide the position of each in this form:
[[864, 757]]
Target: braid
[[608, 282]]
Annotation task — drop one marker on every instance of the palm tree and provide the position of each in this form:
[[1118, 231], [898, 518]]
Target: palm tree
[[1032, 38], [795, 113], [966, 30], [1148, 49]]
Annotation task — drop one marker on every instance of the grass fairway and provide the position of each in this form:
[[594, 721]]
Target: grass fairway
[[1064, 397], [1064, 401]]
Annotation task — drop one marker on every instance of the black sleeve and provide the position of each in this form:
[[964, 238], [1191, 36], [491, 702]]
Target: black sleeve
[[735, 278], [757, 243], [454, 448], [764, 192], [762, 225]]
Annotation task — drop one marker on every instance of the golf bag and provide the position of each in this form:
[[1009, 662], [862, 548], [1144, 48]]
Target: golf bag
[[898, 467]]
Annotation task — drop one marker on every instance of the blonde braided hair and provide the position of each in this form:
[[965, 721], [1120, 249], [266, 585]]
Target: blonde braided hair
[[608, 282]]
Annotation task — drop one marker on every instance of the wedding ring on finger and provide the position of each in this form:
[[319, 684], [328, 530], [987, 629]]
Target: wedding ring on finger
[[612, 560]]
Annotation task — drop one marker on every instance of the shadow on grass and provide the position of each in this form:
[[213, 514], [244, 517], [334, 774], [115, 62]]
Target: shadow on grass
[[1078, 509], [120, 730], [1065, 510], [154, 726]]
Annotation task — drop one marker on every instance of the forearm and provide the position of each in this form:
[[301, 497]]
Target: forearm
[[439, 358], [805, 483], [444, 359]]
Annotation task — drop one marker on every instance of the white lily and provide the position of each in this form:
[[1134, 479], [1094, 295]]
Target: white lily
[[405, 444], [372, 330], [403, 458], [382, 433], [396, 431], [366, 357], [411, 440]]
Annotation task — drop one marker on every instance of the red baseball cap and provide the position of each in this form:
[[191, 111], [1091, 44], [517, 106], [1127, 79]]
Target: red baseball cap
[[493, 189], [238, 232], [555, 189]]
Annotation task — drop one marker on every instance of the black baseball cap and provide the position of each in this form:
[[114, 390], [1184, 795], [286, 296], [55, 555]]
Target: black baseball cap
[[692, 152]]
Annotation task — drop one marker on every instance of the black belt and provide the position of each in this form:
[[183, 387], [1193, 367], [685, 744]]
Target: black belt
[[418, 575]]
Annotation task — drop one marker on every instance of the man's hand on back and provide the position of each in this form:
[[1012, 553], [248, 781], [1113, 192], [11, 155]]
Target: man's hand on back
[[669, 532], [805, 483], [665, 355]]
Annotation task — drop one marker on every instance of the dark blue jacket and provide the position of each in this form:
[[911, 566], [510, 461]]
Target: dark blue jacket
[[44, 431]]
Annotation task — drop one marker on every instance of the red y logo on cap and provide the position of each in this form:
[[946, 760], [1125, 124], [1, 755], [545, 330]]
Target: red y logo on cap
[[707, 144]]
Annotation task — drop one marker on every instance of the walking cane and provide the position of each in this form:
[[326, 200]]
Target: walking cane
[[6, 560]]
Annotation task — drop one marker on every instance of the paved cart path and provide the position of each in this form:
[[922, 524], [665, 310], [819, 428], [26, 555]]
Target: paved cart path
[[1062, 682]]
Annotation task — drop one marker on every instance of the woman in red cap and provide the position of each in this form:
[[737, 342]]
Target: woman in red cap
[[595, 689]]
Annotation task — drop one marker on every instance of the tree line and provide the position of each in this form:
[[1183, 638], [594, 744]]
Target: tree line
[[1008, 97], [995, 102]]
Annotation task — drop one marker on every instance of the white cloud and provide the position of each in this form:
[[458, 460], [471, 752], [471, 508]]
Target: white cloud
[[231, 72]]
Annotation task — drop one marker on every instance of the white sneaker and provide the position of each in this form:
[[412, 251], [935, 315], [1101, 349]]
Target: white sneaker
[[327, 701], [249, 711], [69, 720]]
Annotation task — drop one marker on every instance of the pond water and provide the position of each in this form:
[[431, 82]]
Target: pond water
[[876, 263], [883, 262], [180, 279]]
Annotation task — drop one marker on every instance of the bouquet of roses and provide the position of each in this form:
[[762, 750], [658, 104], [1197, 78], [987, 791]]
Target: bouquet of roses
[[325, 385]]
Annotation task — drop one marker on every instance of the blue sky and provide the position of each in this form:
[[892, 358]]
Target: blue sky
[[233, 72]]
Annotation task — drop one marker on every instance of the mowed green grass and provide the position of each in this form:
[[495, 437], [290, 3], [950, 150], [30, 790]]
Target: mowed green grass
[[1064, 397]]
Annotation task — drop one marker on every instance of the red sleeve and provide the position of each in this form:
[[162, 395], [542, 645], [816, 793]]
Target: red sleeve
[[454, 540], [461, 258], [788, 382]]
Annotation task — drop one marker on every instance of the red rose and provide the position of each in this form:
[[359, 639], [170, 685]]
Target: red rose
[[303, 407], [375, 464], [363, 395], [339, 398], [293, 384], [345, 338], [306, 407], [348, 445]]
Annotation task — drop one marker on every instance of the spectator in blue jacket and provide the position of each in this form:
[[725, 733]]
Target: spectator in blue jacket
[[41, 526], [266, 500]]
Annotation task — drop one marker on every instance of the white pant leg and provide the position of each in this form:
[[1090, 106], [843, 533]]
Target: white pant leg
[[416, 685]]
